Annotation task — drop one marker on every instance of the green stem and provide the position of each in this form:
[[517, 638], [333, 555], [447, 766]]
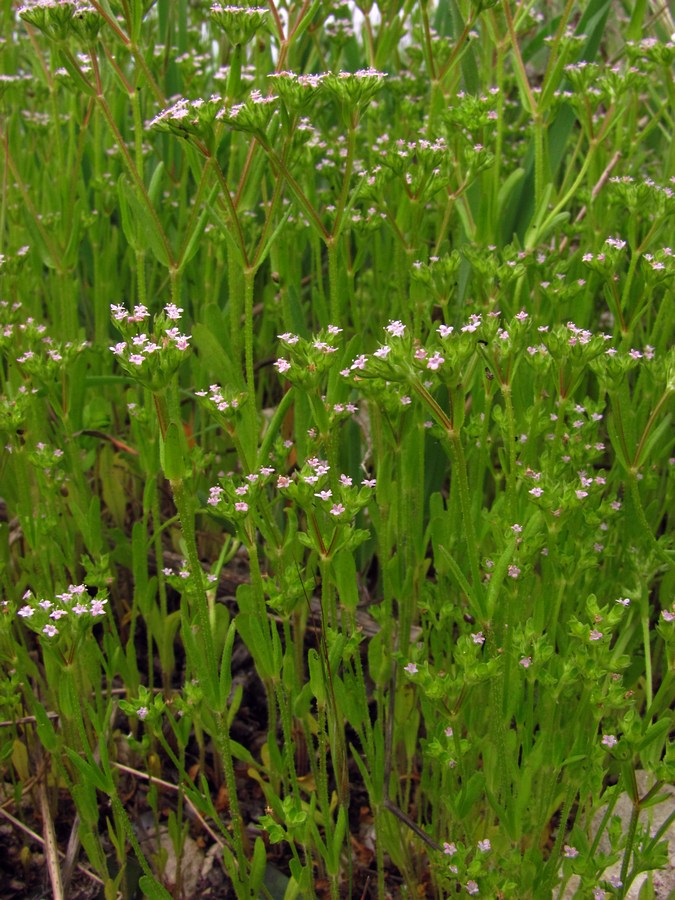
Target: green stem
[[628, 851], [229, 204], [199, 601], [249, 279], [289, 743], [646, 643], [225, 748], [346, 178], [333, 274], [511, 450], [642, 519], [459, 470], [300, 195], [138, 131], [274, 426], [121, 815]]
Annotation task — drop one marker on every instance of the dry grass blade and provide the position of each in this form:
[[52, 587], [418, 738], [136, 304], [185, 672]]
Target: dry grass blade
[[50, 845]]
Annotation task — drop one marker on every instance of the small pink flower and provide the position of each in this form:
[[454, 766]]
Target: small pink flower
[[596, 635], [449, 849], [484, 846], [435, 362], [98, 607], [536, 491], [118, 312], [282, 365], [172, 311], [50, 630], [609, 741], [337, 509], [411, 668], [142, 712], [570, 852], [396, 328], [514, 571], [283, 481], [478, 638], [525, 662], [241, 506], [472, 888], [324, 495]]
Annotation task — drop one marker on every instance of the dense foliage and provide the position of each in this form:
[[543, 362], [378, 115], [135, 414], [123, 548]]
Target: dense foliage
[[336, 392]]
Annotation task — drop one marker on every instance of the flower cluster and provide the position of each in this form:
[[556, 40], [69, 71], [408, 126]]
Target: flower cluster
[[421, 165], [354, 90], [307, 360], [311, 487], [296, 91], [223, 403], [149, 357], [189, 117], [240, 23], [253, 115], [236, 495], [59, 19], [62, 614], [39, 355]]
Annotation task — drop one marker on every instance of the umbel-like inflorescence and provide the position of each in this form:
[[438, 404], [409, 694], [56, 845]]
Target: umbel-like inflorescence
[[154, 356]]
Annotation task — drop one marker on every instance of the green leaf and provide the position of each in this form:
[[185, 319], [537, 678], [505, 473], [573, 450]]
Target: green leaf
[[45, 729], [253, 633], [653, 439], [141, 225], [86, 803], [344, 570], [316, 677], [215, 349], [258, 863], [89, 772], [172, 453], [225, 665], [656, 732], [193, 240], [152, 888]]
